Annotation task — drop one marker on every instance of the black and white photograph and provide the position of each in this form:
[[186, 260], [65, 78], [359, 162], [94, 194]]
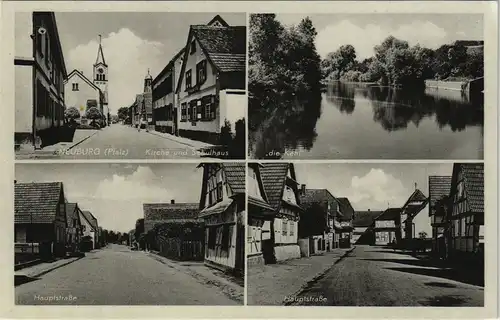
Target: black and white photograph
[[366, 86], [130, 85], [362, 234], [129, 234]]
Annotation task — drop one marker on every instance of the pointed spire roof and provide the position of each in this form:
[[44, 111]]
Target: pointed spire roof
[[148, 76], [100, 54]]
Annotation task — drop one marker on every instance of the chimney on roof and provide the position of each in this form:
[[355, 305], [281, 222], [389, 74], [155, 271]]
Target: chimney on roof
[[303, 189], [15, 181], [172, 201], [369, 210], [415, 186]]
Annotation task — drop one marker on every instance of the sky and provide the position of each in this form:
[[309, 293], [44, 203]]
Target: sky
[[132, 43], [371, 186], [115, 193], [364, 31]]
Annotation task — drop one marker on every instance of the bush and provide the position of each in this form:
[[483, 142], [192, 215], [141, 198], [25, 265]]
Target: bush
[[351, 76], [71, 114]]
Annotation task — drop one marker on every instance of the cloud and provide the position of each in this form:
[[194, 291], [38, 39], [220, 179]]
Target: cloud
[[128, 57], [376, 190], [117, 202], [364, 39]]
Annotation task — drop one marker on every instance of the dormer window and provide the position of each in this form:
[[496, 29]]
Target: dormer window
[[193, 47]]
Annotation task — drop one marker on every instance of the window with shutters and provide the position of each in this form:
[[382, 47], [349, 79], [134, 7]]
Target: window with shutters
[[188, 79], [183, 112], [201, 72]]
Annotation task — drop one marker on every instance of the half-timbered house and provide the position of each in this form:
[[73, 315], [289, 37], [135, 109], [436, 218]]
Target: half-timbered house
[[222, 207], [73, 227], [409, 211], [259, 249], [387, 226], [347, 216], [439, 191], [281, 188], [466, 213], [320, 220]]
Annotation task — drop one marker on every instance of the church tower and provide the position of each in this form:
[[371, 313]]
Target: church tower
[[148, 81], [101, 77]]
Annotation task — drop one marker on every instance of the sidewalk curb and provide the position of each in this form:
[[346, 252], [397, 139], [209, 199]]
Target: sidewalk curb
[[79, 142], [184, 143], [195, 275], [318, 276], [54, 268]]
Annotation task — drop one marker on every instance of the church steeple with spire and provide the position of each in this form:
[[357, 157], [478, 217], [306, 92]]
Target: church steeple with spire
[[101, 75], [148, 81]]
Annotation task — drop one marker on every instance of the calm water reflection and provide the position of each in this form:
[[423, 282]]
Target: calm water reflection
[[352, 121]]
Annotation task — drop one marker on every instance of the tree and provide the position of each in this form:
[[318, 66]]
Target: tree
[[71, 114], [338, 62], [93, 114], [139, 228], [123, 113]]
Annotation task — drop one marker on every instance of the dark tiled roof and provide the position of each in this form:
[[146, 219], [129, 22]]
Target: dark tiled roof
[[217, 208], [91, 219], [365, 218], [70, 212], [474, 185], [225, 46], [417, 195], [316, 195], [273, 179], [346, 209], [235, 176], [155, 213], [389, 214], [36, 202], [439, 187]]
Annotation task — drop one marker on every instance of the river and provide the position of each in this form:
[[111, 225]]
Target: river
[[355, 121]]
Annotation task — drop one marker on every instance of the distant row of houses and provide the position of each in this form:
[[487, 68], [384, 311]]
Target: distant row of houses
[[200, 88], [47, 226], [43, 87], [455, 208]]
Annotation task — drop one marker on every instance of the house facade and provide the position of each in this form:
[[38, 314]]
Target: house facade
[[409, 215], [319, 222], [259, 248], [222, 207], [90, 228], [39, 220], [363, 225], [142, 109], [73, 227], [165, 114], [212, 84], [281, 188], [39, 72], [387, 226], [346, 218], [466, 213], [439, 191], [82, 94], [174, 230]]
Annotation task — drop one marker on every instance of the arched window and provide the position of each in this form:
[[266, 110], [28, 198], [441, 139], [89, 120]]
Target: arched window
[[103, 77]]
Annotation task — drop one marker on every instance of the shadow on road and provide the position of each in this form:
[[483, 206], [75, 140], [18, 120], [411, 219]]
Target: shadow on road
[[414, 262], [440, 284], [19, 280], [444, 301], [450, 274]]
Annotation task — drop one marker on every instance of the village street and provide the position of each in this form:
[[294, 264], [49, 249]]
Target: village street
[[375, 276], [121, 142], [124, 142], [116, 275]]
